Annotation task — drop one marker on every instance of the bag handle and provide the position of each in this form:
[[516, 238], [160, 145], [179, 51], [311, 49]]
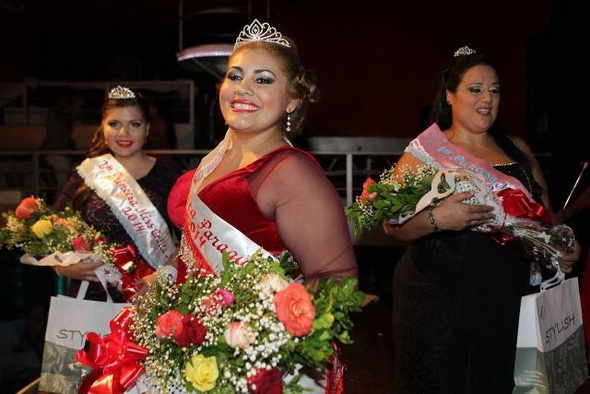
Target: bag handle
[[100, 273], [557, 279]]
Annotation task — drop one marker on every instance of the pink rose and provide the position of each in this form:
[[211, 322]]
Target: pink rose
[[80, 245], [239, 334], [27, 206], [266, 381], [220, 298], [168, 324], [294, 309], [225, 296], [192, 331]]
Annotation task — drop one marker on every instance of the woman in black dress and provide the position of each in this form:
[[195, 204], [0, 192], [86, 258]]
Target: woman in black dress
[[457, 291]]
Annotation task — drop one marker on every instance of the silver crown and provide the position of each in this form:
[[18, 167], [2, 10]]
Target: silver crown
[[119, 92], [257, 31], [464, 51]]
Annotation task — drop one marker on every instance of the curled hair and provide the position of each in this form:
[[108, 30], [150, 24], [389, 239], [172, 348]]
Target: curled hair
[[451, 77], [302, 82], [99, 145]]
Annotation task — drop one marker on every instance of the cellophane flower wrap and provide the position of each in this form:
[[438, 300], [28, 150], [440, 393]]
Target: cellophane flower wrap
[[59, 238], [244, 331], [516, 217]]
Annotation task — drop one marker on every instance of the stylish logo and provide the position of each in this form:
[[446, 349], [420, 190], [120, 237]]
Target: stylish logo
[[75, 336]]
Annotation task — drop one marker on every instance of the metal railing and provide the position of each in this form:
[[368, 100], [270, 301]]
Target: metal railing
[[25, 171]]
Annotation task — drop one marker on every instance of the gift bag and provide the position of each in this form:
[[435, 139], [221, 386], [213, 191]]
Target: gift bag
[[550, 353], [69, 320]]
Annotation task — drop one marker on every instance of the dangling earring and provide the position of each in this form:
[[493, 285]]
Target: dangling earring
[[288, 128]]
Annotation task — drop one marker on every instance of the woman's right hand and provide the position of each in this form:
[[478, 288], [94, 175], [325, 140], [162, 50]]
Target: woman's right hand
[[451, 214], [454, 214], [80, 271]]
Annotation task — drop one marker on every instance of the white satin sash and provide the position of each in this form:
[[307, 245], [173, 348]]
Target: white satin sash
[[132, 207], [206, 234]]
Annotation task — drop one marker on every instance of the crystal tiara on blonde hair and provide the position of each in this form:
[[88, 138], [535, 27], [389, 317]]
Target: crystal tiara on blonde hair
[[257, 31], [119, 93], [464, 51]]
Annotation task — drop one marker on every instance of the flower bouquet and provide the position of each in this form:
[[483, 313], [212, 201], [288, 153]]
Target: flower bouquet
[[61, 238], [390, 199], [57, 238], [246, 331], [515, 216]]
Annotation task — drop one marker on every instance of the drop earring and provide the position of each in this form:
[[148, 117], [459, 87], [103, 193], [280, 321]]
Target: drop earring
[[288, 128]]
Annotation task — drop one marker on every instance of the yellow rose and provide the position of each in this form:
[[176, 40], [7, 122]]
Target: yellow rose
[[202, 372], [42, 228]]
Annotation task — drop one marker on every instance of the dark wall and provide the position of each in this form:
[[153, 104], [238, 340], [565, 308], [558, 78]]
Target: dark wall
[[378, 62]]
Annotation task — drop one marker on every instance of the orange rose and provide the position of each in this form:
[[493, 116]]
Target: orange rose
[[294, 309], [27, 206], [365, 195]]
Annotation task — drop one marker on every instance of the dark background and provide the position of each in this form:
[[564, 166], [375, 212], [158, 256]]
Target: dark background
[[378, 61], [378, 64]]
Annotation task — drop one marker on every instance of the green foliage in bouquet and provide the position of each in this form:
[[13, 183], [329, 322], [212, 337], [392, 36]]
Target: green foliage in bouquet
[[241, 327], [389, 198], [39, 231]]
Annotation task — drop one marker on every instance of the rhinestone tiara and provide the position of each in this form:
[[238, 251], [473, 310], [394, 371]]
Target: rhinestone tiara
[[257, 31], [119, 93], [464, 51]]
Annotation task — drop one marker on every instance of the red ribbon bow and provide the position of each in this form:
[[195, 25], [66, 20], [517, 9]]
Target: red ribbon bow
[[131, 267], [517, 204], [114, 358]]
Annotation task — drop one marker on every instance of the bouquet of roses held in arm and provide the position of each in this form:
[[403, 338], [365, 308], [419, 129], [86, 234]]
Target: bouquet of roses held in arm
[[389, 198], [245, 331], [60, 238], [516, 216], [55, 237]]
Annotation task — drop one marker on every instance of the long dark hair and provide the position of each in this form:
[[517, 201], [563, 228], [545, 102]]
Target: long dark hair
[[99, 146], [442, 113], [451, 77]]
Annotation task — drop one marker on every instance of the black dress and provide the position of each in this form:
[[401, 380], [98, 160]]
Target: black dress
[[456, 302], [95, 211]]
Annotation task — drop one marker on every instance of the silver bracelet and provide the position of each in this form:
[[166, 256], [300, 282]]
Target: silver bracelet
[[431, 219], [56, 271]]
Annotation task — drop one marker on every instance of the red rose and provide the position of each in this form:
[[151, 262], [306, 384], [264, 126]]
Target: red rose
[[168, 324], [80, 245], [192, 331], [266, 381], [27, 206]]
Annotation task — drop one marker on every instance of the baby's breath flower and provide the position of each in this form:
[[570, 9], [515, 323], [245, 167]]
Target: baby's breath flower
[[391, 197], [271, 347]]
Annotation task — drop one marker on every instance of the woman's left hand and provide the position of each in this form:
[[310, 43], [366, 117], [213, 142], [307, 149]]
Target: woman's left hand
[[567, 261]]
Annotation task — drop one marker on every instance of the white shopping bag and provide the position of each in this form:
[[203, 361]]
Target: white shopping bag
[[70, 319], [550, 353]]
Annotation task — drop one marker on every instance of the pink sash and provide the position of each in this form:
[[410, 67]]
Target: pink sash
[[434, 149]]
